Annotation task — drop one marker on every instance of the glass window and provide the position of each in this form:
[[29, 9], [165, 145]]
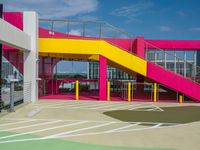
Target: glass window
[[180, 54], [188, 70], [160, 55], [169, 55], [189, 55], [180, 68], [151, 55], [170, 66]]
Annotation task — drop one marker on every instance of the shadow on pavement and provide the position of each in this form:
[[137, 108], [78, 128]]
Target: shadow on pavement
[[184, 114]]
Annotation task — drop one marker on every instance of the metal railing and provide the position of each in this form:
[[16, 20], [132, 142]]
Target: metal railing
[[12, 94], [138, 91], [104, 31], [85, 30]]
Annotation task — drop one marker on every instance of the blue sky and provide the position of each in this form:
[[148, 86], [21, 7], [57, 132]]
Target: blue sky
[[157, 19], [153, 19]]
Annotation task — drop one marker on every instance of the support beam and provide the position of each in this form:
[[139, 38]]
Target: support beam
[[102, 77], [30, 27], [14, 37]]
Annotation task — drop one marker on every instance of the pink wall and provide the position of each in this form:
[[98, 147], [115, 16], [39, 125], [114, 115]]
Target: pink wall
[[173, 81], [14, 18], [13, 55], [175, 44]]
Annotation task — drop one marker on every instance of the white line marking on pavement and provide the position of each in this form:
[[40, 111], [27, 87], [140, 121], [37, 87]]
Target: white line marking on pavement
[[42, 130], [118, 131], [88, 106], [12, 123], [124, 127], [84, 134], [110, 105], [158, 107], [33, 125], [77, 130], [120, 107], [140, 106]]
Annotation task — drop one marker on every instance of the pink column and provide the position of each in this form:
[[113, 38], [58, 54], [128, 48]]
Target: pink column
[[140, 51], [102, 77], [140, 47]]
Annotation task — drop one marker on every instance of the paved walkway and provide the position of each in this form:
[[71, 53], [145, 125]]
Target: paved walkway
[[86, 122]]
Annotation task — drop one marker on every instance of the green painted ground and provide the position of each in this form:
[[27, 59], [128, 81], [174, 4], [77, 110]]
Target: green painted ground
[[56, 144]]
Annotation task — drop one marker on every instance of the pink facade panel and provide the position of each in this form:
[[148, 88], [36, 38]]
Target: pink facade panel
[[175, 44], [173, 81]]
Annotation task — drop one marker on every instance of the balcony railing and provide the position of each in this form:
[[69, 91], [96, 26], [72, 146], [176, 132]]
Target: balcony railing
[[115, 36]]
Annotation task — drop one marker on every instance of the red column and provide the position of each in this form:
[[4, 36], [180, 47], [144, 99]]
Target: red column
[[102, 77]]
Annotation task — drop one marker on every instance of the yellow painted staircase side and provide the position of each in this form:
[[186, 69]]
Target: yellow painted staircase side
[[92, 47]]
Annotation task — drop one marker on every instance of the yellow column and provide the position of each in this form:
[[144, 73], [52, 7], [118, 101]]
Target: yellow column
[[129, 91], [180, 98], [108, 91], [77, 90], [155, 92]]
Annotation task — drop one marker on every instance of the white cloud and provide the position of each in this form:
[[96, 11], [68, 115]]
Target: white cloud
[[52, 8], [165, 28], [75, 32], [195, 29], [133, 11]]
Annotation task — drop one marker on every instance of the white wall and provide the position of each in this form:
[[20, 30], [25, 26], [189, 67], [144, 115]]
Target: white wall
[[30, 26]]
